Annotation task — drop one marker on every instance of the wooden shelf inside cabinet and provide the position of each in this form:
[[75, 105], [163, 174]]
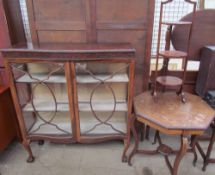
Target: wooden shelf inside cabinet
[[173, 54], [41, 77], [176, 22], [117, 78], [46, 106], [102, 106], [169, 80], [121, 78]]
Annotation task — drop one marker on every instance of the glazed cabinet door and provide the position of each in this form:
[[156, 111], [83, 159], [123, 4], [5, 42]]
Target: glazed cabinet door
[[42, 98], [102, 99]]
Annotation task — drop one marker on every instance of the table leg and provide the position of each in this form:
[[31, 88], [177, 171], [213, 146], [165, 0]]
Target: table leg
[[207, 159], [181, 153], [156, 137], [126, 143], [142, 132], [147, 132], [136, 145], [193, 148]]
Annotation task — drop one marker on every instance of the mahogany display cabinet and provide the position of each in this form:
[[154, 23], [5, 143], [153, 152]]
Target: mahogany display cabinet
[[82, 93]]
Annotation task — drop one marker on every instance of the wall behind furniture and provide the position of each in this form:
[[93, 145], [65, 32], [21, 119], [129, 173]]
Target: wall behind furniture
[[90, 21]]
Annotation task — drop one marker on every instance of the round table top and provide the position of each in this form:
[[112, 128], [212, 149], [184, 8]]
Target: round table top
[[202, 35], [169, 113]]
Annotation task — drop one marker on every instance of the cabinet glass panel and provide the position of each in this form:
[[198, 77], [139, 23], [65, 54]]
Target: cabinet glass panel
[[45, 107], [102, 90]]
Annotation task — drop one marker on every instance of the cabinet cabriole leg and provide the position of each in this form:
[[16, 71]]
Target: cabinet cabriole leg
[[124, 157], [27, 147]]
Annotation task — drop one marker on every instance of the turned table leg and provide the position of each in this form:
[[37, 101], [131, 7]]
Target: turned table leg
[[180, 155]]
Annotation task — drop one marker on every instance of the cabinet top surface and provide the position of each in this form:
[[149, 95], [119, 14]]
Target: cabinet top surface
[[73, 48], [72, 51], [170, 113]]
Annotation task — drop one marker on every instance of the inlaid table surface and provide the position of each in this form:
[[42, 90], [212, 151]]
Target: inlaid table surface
[[170, 116], [170, 113]]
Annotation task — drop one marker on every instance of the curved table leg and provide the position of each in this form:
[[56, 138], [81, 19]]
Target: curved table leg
[[193, 146], [27, 147], [183, 150], [133, 129], [142, 132], [126, 143]]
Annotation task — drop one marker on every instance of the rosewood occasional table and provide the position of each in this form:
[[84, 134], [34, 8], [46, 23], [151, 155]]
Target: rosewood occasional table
[[170, 116]]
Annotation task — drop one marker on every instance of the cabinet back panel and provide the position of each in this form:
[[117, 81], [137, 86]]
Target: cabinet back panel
[[96, 21], [59, 10], [121, 10], [62, 36]]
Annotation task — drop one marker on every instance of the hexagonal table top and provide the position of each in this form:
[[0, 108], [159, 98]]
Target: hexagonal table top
[[170, 113]]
